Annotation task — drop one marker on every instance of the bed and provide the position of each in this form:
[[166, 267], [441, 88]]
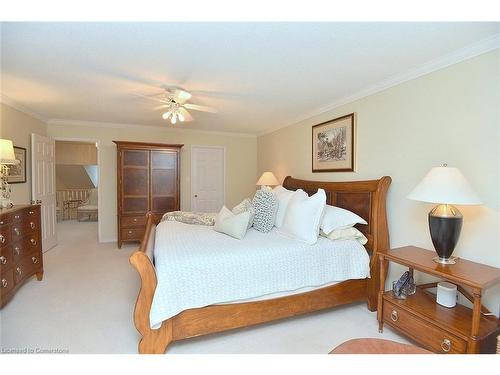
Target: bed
[[357, 276]]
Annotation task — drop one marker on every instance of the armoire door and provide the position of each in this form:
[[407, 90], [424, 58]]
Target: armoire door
[[164, 181], [135, 181]]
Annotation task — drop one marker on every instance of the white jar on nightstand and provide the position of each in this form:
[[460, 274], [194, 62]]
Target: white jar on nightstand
[[446, 294]]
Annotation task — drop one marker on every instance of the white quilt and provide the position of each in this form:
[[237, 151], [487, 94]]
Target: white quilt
[[197, 266]]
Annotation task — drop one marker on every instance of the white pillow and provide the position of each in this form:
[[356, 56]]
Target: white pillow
[[303, 216], [339, 218], [233, 225], [283, 195], [346, 234]]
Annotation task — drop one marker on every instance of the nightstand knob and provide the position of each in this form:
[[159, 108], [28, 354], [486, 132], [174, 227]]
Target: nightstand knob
[[394, 316], [446, 345]]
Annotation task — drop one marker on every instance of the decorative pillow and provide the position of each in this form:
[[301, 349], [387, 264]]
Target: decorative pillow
[[197, 218], [346, 234], [283, 195], [303, 216], [265, 206], [339, 218], [245, 206], [233, 225]]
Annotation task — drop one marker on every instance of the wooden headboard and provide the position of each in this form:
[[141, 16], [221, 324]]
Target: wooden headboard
[[365, 198]]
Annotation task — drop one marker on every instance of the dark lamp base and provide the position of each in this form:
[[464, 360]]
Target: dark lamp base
[[445, 224]]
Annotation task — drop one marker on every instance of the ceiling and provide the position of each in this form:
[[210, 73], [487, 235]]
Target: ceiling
[[259, 76]]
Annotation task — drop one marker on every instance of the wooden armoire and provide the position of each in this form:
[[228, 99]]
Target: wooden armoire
[[148, 181]]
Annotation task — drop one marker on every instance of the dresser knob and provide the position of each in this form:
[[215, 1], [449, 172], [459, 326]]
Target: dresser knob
[[1, 222], [16, 230], [32, 225], [17, 250], [2, 238], [129, 232], [4, 283], [33, 241], [3, 260], [19, 271], [135, 220], [34, 259], [394, 316], [446, 345]]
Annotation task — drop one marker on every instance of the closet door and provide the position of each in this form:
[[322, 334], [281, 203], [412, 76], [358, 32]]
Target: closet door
[[135, 181], [164, 181]]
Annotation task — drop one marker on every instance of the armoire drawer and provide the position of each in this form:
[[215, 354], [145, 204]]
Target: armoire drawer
[[132, 234], [427, 334], [133, 221]]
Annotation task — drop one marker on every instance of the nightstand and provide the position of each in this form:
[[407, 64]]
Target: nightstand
[[438, 328]]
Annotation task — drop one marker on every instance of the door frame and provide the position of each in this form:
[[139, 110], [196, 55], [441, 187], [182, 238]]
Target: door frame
[[223, 148], [99, 187]]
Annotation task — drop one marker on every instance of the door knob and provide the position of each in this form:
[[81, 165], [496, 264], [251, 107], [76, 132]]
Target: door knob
[[196, 195]]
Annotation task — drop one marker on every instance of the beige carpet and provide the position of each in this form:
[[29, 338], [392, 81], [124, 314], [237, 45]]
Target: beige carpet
[[85, 303]]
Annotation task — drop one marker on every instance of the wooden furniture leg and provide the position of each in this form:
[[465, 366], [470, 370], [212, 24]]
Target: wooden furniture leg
[[476, 316], [383, 271]]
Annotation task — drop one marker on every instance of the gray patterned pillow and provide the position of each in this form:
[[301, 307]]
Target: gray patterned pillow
[[265, 205], [244, 206]]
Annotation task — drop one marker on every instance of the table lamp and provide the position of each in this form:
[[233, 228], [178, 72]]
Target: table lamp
[[7, 157], [267, 179], [446, 186]]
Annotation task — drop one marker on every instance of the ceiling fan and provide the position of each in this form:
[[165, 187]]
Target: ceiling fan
[[175, 103]]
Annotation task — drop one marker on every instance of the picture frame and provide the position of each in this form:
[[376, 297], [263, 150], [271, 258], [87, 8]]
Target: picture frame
[[17, 173], [333, 144]]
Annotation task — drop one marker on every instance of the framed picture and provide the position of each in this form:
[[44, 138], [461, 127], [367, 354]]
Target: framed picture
[[17, 173], [333, 145]]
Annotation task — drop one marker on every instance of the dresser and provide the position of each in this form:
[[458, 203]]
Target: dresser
[[20, 248], [148, 181]]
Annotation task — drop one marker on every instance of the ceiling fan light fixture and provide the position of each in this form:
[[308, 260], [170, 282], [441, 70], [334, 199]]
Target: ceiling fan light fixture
[[166, 115], [174, 119], [181, 117]]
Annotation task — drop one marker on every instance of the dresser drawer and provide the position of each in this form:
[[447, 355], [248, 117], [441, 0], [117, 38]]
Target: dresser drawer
[[133, 221], [429, 335], [5, 235], [6, 281], [6, 258], [23, 228], [132, 234], [26, 267], [25, 246]]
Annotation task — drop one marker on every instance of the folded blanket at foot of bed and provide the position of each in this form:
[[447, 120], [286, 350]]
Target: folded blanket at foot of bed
[[196, 218]]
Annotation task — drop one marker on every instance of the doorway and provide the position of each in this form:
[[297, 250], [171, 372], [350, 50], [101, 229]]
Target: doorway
[[207, 178], [77, 188]]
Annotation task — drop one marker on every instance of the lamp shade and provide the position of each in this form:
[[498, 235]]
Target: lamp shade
[[444, 185], [268, 179], [7, 152]]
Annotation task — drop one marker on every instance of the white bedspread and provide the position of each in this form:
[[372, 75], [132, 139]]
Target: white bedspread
[[197, 266]]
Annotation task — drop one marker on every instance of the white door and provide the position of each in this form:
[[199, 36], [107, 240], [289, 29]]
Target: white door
[[43, 189], [207, 178]]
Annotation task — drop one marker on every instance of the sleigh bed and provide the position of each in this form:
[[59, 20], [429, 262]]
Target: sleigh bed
[[365, 198]]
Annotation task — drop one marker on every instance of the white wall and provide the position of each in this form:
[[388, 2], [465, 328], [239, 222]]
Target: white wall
[[18, 126], [241, 161], [451, 116]]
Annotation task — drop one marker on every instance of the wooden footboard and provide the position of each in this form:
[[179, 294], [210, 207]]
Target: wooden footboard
[[367, 198]]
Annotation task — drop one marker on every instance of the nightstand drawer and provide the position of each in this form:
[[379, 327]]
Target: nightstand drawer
[[426, 333]]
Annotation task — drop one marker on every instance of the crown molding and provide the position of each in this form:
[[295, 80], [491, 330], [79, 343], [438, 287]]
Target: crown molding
[[21, 108], [114, 125], [481, 47]]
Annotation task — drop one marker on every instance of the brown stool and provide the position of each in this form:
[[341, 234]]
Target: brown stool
[[376, 346]]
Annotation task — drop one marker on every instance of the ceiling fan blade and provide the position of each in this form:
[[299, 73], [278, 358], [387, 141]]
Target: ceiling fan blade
[[201, 108], [181, 96], [154, 98], [186, 114], [160, 107]]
